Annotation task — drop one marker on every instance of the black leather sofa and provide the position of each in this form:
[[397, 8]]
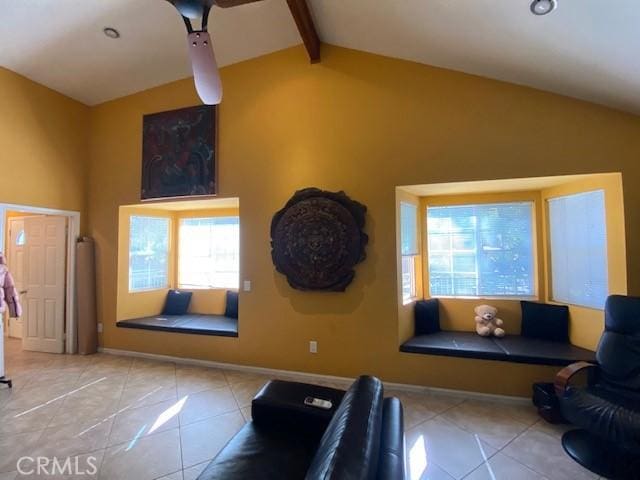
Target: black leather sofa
[[607, 406], [361, 437]]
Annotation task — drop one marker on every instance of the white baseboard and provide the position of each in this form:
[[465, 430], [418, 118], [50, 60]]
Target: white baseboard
[[311, 377]]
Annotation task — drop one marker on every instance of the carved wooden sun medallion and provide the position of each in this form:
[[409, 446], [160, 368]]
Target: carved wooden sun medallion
[[317, 239]]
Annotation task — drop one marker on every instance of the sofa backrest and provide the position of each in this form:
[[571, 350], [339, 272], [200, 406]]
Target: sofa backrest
[[350, 447]]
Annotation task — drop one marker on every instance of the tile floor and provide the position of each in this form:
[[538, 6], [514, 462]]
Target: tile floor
[[145, 420]]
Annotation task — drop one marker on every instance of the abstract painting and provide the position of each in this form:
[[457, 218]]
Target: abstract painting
[[179, 153]]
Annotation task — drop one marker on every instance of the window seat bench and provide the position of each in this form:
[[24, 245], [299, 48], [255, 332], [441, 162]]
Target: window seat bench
[[217, 325], [511, 348]]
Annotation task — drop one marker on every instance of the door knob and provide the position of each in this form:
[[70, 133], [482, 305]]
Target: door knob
[[23, 292]]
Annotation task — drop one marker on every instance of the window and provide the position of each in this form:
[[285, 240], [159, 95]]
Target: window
[[20, 239], [409, 249], [148, 253], [209, 254], [578, 234], [483, 250]]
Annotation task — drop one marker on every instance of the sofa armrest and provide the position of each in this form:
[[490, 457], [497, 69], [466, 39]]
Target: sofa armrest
[[564, 376], [280, 404], [391, 464]]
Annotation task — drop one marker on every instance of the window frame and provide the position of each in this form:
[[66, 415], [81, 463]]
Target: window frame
[[180, 222], [500, 199], [412, 258], [168, 278]]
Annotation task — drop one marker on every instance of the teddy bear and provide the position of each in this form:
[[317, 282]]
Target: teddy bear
[[487, 323]]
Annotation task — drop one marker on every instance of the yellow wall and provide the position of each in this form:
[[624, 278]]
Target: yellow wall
[[151, 302], [587, 324], [364, 124], [43, 145]]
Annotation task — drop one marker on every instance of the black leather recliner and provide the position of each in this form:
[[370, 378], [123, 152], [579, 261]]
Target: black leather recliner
[[360, 438], [607, 408]]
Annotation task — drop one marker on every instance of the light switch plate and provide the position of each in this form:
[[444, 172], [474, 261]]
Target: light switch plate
[[313, 346], [246, 285]]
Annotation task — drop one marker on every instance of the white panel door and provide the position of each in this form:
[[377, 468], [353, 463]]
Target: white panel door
[[15, 261], [44, 278]]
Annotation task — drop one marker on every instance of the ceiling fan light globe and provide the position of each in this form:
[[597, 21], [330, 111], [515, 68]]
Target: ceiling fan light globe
[[191, 9]]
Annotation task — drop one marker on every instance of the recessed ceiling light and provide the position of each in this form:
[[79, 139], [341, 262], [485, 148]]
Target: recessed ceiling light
[[111, 32], [542, 7]]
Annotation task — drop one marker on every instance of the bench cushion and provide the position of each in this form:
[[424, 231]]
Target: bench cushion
[[454, 344], [217, 325], [512, 348], [544, 352]]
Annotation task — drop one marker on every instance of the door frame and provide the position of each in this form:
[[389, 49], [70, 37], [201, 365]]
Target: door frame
[[73, 233]]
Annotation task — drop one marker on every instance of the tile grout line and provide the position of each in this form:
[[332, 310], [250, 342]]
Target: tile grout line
[[515, 459], [497, 450], [455, 425], [59, 408], [104, 457], [435, 415], [500, 450], [175, 376]]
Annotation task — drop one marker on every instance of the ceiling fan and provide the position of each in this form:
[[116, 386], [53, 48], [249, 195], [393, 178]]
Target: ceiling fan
[[203, 60]]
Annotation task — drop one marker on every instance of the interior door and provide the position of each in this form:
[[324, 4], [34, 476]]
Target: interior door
[[15, 260], [44, 278]]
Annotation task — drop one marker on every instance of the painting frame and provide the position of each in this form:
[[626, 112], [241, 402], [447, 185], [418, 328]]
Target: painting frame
[[180, 154]]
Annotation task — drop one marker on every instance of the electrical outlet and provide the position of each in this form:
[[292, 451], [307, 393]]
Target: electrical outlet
[[99, 328], [246, 285], [313, 346]]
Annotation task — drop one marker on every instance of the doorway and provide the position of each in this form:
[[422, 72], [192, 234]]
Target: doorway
[[39, 247]]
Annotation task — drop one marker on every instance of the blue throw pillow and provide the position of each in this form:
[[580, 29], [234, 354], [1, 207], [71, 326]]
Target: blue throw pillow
[[427, 316], [177, 302], [231, 309], [545, 321]]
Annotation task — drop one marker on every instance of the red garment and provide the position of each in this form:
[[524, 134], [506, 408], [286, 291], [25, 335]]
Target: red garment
[[8, 293]]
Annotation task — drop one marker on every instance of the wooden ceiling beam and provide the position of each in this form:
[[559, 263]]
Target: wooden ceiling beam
[[302, 16]]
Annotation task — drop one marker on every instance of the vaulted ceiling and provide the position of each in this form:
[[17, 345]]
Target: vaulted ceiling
[[585, 49]]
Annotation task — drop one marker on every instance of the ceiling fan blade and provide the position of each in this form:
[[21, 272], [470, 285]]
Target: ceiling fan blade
[[232, 3], [205, 68]]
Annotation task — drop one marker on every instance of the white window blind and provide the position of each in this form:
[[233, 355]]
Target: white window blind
[[578, 234], [209, 254], [481, 250], [148, 253], [409, 249]]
